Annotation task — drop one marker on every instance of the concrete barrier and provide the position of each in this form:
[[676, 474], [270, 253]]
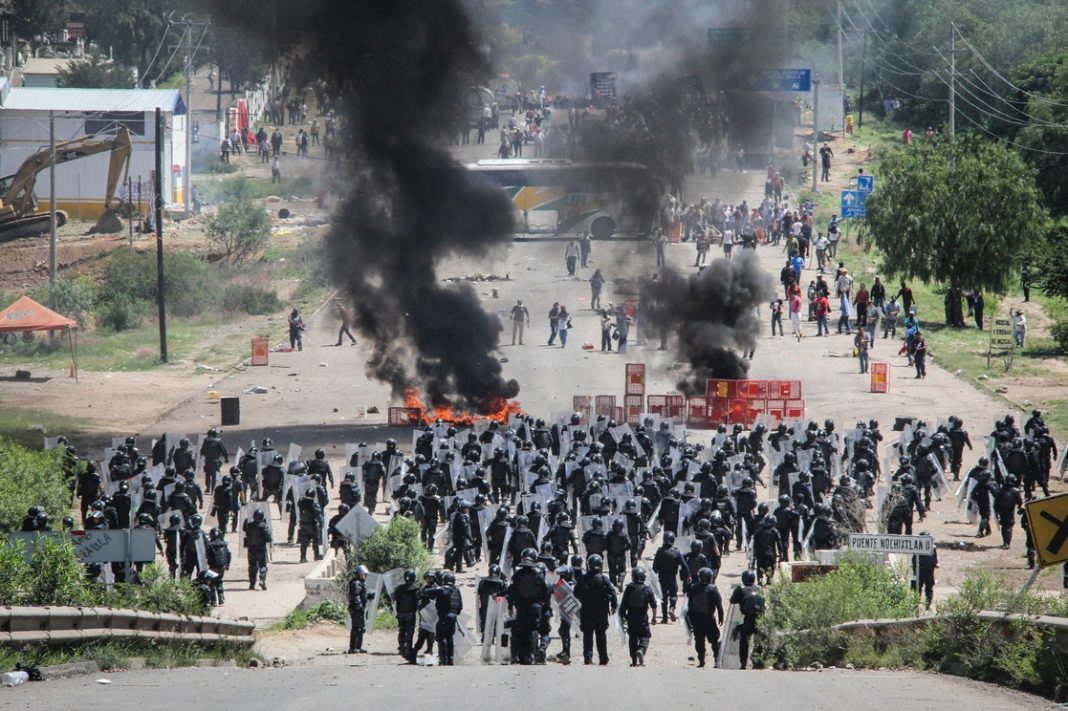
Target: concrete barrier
[[887, 631], [66, 625], [321, 585]]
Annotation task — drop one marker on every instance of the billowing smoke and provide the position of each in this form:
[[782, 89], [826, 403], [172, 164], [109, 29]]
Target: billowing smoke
[[713, 315], [400, 66]]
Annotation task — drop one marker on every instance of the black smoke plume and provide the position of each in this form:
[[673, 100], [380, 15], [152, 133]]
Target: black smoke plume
[[713, 315], [400, 67]]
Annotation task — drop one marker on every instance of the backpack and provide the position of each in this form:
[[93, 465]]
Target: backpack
[[752, 603]]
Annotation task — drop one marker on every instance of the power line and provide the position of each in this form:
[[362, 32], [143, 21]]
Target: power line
[[1021, 146], [141, 79], [985, 63]]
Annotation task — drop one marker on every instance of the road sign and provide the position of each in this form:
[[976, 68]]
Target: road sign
[[1048, 521], [785, 80], [733, 36], [865, 183], [106, 546], [853, 203], [1001, 339], [890, 543]]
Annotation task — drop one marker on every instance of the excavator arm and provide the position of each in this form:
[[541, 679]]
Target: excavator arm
[[19, 193]]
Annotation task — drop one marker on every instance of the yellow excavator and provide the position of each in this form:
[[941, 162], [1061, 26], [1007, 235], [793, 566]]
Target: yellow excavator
[[19, 213]]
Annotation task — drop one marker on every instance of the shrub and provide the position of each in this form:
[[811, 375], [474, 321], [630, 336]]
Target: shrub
[[30, 477], [395, 545], [16, 573], [121, 312], [326, 611], [1059, 332], [58, 576], [240, 228], [73, 298], [189, 283], [806, 612], [158, 592], [250, 299]]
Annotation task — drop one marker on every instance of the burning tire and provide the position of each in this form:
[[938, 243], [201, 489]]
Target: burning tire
[[603, 228]]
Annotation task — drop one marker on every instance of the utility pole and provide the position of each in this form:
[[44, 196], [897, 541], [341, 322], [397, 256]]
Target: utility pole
[[52, 205], [952, 79], [863, 67], [187, 23], [157, 208], [841, 74], [815, 129], [187, 173]]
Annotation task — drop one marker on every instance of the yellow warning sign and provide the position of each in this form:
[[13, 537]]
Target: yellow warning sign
[[1048, 519]]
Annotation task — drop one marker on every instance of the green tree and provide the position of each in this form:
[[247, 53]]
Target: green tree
[[38, 17], [961, 213], [133, 30], [1053, 270], [240, 228], [96, 73], [29, 478], [396, 545]]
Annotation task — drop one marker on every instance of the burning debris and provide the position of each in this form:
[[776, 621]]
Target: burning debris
[[480, 278], [502, 410], [399, 66], [713, 313]]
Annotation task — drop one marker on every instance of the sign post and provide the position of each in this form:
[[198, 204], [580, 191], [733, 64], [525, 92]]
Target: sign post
[[1048, 521], [853, 203], [892, 543], [1002, 343]]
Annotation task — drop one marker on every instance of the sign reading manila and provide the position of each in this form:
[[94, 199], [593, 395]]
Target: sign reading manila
[[890, 543], [1048, 521]]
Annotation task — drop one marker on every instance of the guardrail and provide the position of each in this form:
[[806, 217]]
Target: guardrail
[[64, 625], [887, 630]]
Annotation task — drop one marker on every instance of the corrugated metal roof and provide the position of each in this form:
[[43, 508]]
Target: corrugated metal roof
[[35, 99]]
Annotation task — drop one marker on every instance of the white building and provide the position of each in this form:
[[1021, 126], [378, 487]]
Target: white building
[[81, 183]]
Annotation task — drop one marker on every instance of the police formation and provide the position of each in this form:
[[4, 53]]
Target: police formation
[[560, 514]]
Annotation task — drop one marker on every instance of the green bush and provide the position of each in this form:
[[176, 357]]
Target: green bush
[[250, 299], [806, 612], [58, 576], [121, 312], [73, 298], [240, 228], [158, 592], [15, 575], [189, 283], [327, 611], [27, 478], [1059, 332], [395, 545]]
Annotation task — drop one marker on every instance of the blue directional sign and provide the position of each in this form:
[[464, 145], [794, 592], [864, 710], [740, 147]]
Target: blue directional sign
[[853, 203], [865, 183], [785, 80]]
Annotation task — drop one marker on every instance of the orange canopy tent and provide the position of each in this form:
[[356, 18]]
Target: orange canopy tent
[[26, 316]]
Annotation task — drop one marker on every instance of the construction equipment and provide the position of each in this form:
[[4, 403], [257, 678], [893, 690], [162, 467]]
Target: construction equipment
[[19, 214]]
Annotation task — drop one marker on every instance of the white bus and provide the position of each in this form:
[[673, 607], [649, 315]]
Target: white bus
[[558, 196]]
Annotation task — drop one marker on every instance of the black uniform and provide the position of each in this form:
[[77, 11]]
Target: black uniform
[[449, 604], [373, 473], [528, 595], [637, 598], [924, 568], [218, 554], [669, 567], [358, 597], [214, 453], [487, 587], [598, 599], [405, 606], [705, 615], [257, 539], [751, 602], [311, 527]]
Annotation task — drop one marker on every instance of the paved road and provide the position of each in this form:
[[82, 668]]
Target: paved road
[[492, 688]]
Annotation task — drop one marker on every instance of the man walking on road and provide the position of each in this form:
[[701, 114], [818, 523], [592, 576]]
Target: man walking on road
[[554, 314], [825, 162], [520, 318], [571, 255]]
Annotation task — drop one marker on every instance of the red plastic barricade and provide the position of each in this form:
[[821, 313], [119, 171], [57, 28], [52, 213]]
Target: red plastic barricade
[[582, 404], [657, 405], [697, 413], [795, 409], [604, 405], [617, 414], [632, 406], [635, 380], [676, 406], [880, 377], [784, 389], [717, 409], [716, 388]]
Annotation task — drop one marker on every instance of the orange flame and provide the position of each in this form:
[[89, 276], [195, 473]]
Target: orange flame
[[499, 411]]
